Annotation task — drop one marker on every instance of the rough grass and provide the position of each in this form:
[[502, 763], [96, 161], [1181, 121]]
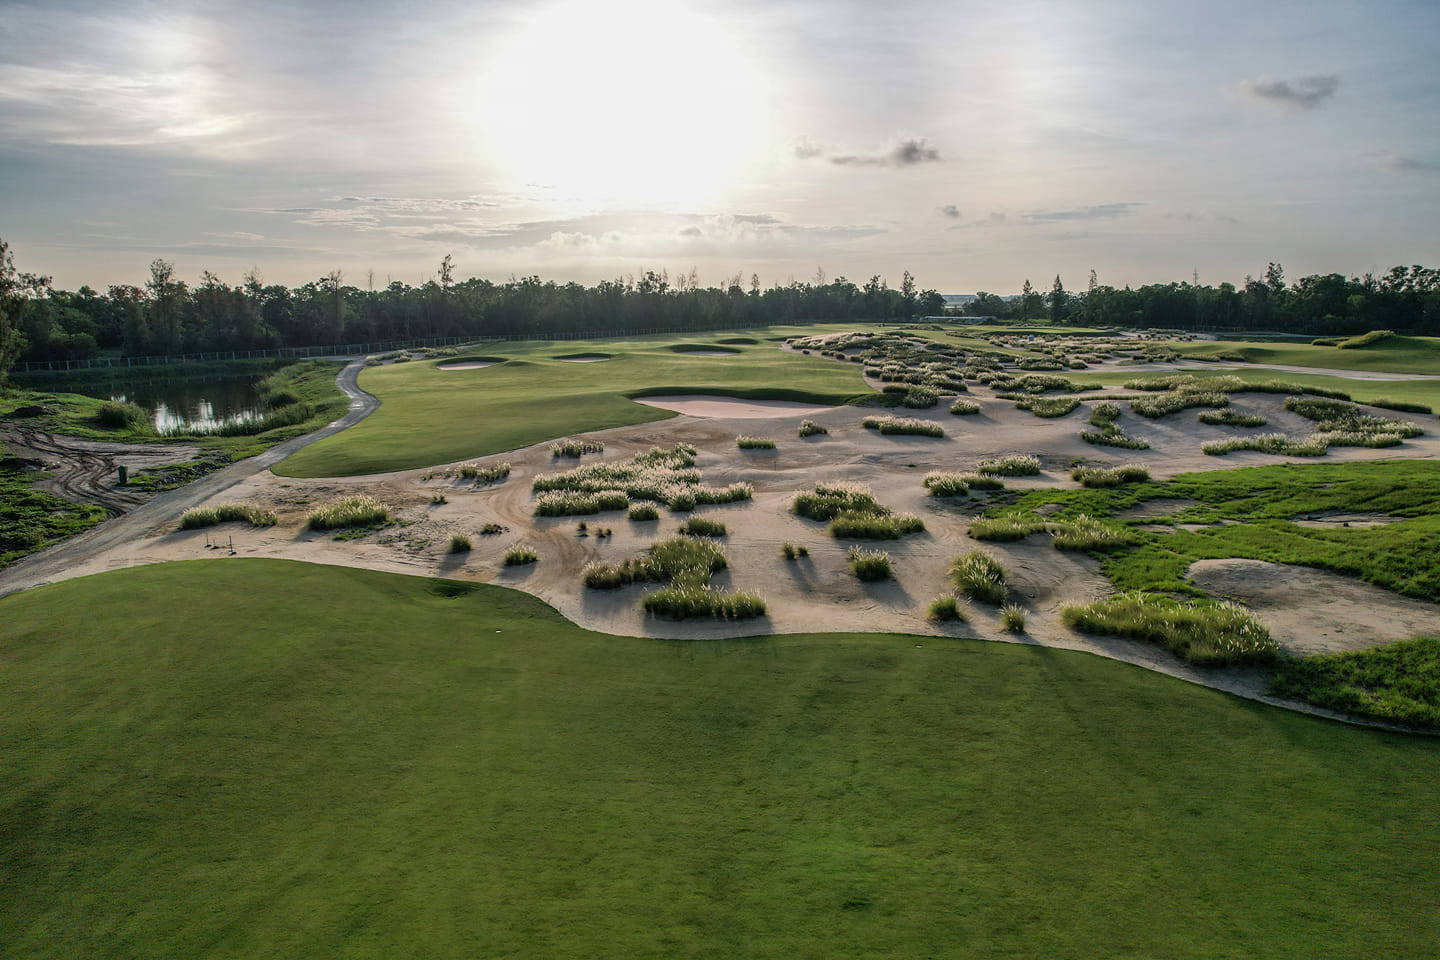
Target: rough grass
[[809, 428], [1012, 617], [667, 560], [643, 512], [118, 415], [964, 408], [226, 512], [1165, 404], [947, 484], [1049, 407], [1208, 634], [794, 551], [1365, 339], [1004, 529], [460, 543], [828, 500], [1231, 418], [350, 512], [702, 527], [493, 473], [576, 448], [865, 525], [686, 601], [980, 577], [870, 565], [1399, 682], [570, 503], [586, 788], [754, 443]]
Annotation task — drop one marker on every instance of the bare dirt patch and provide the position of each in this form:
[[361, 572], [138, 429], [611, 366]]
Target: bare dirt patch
[[1315, 611], [1324, 521]]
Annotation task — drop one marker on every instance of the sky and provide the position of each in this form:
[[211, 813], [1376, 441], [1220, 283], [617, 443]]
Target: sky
[[976, 144]]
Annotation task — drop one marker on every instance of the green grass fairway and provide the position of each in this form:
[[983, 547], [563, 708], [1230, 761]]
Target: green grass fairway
[[262, 758], [429, 416], [1391, 355], [1412, 391]]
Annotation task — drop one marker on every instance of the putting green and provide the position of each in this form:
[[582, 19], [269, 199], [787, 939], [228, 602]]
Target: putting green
[[262, 758], [429, 416]]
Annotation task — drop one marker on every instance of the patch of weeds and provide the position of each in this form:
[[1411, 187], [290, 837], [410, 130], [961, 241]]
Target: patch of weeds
[[945, 608], [1014, 465], [1205, 633], [980, 577], [350, 512], [870, 565], [519, 557], [224, 513]]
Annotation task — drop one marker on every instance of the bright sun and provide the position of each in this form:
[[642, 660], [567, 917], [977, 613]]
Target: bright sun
[[631, 102]]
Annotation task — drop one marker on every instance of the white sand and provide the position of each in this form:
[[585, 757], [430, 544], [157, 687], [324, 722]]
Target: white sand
[[1315, 611], [467, 365], [696, 405]]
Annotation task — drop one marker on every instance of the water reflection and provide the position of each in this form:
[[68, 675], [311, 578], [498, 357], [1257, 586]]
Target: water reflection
[[189, 402]]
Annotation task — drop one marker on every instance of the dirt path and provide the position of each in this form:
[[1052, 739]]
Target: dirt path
[[162, 512], [84, 471]]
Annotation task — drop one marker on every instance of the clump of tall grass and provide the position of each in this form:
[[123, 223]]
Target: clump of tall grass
[[286, 416], [576, 448], [702, 527], [224, 513], [642, 512], [980, 577], [519, 557], [569, 503], [1012, 617], [865, 525], [486, 474], [964, 408], [947, 484], [1049, 407], [1345, 418], [1404, 406], [459, 543], [1114, 438], [829, 500], [1231, 418], [809, 428], [690, 600], [945, 608], [1111, 476], [794, 551], [754, 443], [1085, 532], [1004, 529], [360, 511], [1167, 403], [119, 415], [920, 398], [663, 474], [903, 425], [1207, 633], [1274, 443], [1104, 414], [1012, 465], [663, 561], [870, 565], [491, 529]]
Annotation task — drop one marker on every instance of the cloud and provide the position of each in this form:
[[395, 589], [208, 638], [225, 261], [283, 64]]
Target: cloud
[[419, 205], [906, 153], [1306, 93], [1397, 164], [1102, 211], [951, 211], [807, 149]]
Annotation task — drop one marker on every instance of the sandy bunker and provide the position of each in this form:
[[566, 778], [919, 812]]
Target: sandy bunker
[[466, 365], [696, 405]]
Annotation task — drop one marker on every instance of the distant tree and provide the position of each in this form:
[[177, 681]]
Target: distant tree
[[167, 305], [1094, 282], [1032, 305], [16, 289], [907, 295], [1059, 300]]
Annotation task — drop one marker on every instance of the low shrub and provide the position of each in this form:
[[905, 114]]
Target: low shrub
[[980, 577], [459, 543], [1231, 418], [1206, 633], [964, 408], [1014, 465], [1109, 477], [1399, 682], [643, 512], [359, 511], [794, 551], [1049, 407], [576, 448], [754, 443], [864, 525], [702, 527], [945, 608], [1012, 617], [809, 428], [224, 513], [903, 425], [491, 529], [118, 415], [870, 565], [519, 557]]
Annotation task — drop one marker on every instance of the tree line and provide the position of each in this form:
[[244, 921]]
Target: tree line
[[166, 315]]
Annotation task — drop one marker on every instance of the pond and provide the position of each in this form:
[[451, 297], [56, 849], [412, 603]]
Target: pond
[[184, 401]]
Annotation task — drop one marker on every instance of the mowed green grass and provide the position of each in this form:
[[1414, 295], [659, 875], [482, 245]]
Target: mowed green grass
[[1363, 391], [262, 758], [1392, 355], [429, 416]]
